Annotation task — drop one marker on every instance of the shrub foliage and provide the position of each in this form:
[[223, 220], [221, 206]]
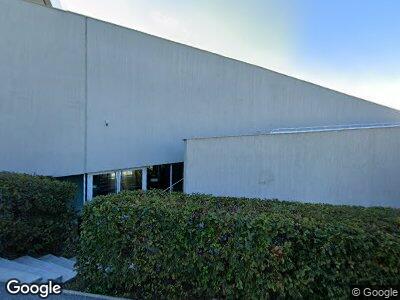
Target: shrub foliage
[[36, 215], [161, 245]]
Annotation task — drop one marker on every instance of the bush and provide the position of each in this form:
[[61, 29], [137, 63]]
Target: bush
[[161, 245], [36, 216]]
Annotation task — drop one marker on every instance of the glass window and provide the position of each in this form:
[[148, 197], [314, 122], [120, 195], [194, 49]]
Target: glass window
[[177, 177], [158, 177], [131, 180], [104, 184]]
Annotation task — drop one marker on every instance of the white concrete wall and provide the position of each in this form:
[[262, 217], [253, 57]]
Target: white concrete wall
[[64, 76], [154, 93], [42, 89], [360, 167]]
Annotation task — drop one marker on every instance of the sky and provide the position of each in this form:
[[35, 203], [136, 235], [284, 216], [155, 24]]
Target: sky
[[352, 46]]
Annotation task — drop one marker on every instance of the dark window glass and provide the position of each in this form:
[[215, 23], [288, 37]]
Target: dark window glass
[[158, 177], [131, 180], [104, 184], [177, 177]]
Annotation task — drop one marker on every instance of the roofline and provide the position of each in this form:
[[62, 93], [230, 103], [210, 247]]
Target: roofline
[[334, 128], [216, 54], [316, 129], [46, 3]]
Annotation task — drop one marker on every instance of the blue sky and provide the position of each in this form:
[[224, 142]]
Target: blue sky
[[351, 46], [353, 35]]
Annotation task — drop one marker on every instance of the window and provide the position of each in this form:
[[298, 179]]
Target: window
[[177, 177], [104, 184], [158, 177], [165, 177], [131, 180]]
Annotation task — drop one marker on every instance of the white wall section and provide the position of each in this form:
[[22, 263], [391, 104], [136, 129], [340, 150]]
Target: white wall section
[[154, 93], [42, 89], [353, 166], [79, 95]]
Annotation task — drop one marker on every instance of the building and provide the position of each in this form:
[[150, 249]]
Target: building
[[339, 165], [42, 2], [49, 3], [110, 108]]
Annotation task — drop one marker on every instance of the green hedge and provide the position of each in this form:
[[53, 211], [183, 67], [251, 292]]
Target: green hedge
[[160, 245], [36, 216]]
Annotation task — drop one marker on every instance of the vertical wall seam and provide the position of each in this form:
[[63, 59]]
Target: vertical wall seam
[[86, 96], [85, 195]]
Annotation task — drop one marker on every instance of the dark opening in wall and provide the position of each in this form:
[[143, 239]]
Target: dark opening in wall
[[165, 177], [158, 177], [177, 177], [104, 184], [131, 180]]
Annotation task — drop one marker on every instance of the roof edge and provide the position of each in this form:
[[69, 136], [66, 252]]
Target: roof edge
[[370, 101], [329, 128]]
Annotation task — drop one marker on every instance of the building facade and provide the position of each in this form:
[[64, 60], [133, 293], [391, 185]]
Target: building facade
[[356, 165], [110, 107]]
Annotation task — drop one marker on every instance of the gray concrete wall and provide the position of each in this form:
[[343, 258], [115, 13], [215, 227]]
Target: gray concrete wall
[[154, 93], [42, 89], [64, 76], [360, 167]]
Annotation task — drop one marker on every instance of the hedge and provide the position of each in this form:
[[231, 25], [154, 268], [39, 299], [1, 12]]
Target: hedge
[[36, 216], [160, 245]]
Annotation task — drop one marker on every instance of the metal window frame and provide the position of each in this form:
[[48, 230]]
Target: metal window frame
[[88, 180]]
